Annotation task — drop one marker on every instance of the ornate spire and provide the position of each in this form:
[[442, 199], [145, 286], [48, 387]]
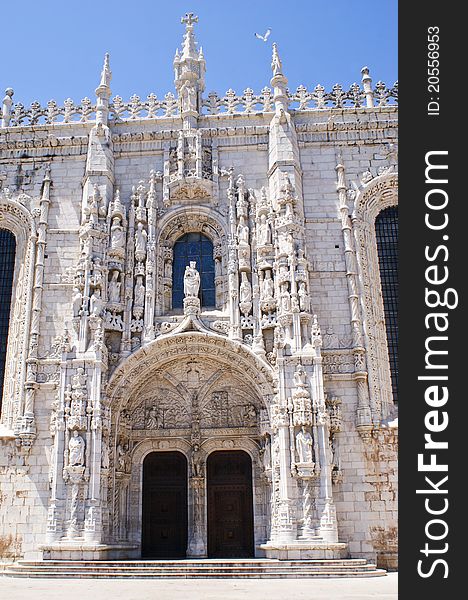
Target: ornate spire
[[189, 69], [106, 76], [103, 93], [276, 64], [279, 82], [189, 44]]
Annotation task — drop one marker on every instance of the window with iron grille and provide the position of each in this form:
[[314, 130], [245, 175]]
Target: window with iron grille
[[386, 231], [7, 265]]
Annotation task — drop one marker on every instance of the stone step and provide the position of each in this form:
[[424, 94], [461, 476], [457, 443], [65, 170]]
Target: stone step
[[146, 575], [198, 569], [266, 562]]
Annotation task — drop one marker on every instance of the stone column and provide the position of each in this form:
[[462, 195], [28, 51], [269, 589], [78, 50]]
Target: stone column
[[196, 526]]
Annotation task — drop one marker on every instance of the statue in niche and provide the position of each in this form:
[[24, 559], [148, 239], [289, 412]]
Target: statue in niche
[[122, 457], [249, 415], [139, 291], [304, 446], [78, 380], [264, 231], [285, 298], [266, 453], [141, 238], [245, 289], [268, 287], [104, 455], [76, 448], [304, 301], [114, 288], [196, 462], [168, 269], [187, 96], [95, 303], [191, 281], [217, 267], [117, 234], [97, 272], [300, 377], [153, 418], [77, 302], [243, 231]]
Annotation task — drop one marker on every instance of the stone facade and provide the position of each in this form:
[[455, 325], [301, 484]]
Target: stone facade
[[290, 366]]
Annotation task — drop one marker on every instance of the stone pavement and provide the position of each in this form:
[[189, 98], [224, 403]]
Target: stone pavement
[[383, 588]]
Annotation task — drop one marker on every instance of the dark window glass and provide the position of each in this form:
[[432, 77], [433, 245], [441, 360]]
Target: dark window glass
[[386, 230], [198, 248], [7, 265]]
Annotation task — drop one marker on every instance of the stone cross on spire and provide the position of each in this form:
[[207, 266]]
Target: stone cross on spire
[[189, 19]]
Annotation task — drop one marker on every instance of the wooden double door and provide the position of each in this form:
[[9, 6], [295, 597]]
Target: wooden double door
[[229, 505], [164, 518]]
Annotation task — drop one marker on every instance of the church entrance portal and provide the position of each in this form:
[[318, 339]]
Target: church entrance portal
[[230, 505], [164, 518]]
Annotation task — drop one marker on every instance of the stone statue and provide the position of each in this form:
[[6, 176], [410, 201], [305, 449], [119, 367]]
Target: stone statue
[[300, 377], [139, 291], [191, 281], [95, 303], [153, 419], [217, 267], [266, 455], [141, 238], [76, 447], [286, 244], [122, 457], [77, 301], [196, 462], [249, 415], [268, 287], [304, 301], [304, 446], [243, 232], [117, 234], [285, 298], [114, 288], [264, 232], [104, 455], [245, 289]]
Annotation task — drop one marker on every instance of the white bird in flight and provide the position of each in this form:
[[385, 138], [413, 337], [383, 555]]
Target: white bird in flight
[[263, 37]]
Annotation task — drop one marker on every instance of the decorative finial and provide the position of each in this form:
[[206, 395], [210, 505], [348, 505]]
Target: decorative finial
[[367, 86], [106, 74], [276, 64]]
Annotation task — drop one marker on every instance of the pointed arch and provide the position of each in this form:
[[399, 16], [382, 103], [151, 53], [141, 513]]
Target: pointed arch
[[16, 219], [377, 195]]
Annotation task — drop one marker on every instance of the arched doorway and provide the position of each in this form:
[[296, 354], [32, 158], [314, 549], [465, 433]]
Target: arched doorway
[[164, 510], [230, 505]]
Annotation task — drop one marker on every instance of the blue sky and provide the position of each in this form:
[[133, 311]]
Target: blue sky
[[57, 51]]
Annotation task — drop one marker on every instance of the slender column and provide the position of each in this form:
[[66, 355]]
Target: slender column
[[367, 85], [364, 417]]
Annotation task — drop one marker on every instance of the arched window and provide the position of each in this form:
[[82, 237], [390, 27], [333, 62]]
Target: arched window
[[193, 247], [386, 232], [7, 265]]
